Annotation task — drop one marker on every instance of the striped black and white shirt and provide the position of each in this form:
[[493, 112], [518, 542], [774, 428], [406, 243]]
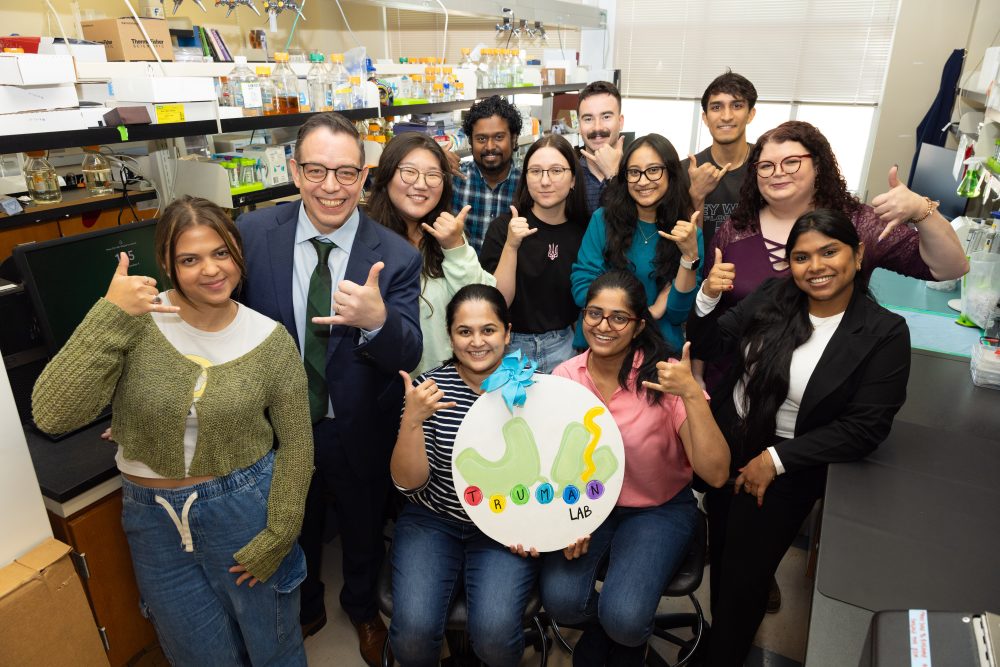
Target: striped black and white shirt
[[438, 492]]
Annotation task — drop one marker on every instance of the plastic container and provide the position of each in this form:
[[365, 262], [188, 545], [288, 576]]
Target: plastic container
[[267, 101], [340, 83], [248, 171], [357, 93], [41, 179], [516, 69], [981, 287], [96, 172], [232, 173], [984, 364], [286, 85], [316, 83], [244, 88]]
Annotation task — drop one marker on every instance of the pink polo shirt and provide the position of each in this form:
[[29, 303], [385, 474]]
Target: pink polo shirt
[[656, 466]]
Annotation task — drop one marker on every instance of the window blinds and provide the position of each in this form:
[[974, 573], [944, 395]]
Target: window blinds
[[833, 51]]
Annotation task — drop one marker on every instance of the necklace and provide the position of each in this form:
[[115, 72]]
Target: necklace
[[647, 239], [746, 152]]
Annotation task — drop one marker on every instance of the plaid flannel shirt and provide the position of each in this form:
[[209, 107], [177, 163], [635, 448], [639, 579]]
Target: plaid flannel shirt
[[486, 203]]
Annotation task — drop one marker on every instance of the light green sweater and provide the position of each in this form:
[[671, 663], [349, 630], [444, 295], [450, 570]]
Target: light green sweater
[[461, 267], [115, 357]]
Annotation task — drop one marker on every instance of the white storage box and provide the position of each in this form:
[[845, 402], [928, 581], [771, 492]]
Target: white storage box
[[33, 69], [164, 88], [85, 52], [17, 99], [43, 121]]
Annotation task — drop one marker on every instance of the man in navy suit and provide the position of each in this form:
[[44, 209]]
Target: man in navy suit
[[371, 334]]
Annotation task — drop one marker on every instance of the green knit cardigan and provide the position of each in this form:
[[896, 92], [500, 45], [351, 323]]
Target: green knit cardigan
[[115, 357]]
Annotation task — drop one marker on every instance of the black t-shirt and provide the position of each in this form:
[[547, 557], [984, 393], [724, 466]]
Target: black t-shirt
[[721, 202], [543, 298]]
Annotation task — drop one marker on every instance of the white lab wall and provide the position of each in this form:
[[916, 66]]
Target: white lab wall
[[23, 523]]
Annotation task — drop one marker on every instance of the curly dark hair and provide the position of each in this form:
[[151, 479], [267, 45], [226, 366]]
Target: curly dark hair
[[621, 214], [380, 207], [576, 202], [831, 188], [733, 84], [493, 106]]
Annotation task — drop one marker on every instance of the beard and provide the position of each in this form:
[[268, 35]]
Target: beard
[[500, 166]]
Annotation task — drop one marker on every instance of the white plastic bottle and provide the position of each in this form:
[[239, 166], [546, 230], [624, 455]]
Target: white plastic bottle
[[244, 88], [357, 93], [316, 83], [341, 83]]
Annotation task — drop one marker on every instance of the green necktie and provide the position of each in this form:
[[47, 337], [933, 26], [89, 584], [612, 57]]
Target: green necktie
[[317, 335]]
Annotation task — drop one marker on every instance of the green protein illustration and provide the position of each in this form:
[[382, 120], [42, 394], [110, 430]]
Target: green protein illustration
[[578, 460]]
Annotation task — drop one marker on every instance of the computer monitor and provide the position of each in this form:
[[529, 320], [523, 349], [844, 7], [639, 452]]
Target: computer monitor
[[933, 178], [65, 277]]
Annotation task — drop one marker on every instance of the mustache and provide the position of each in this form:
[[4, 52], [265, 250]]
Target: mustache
[[599, 133], [491, 154]]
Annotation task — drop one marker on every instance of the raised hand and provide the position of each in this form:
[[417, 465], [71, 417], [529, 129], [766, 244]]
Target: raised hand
[[704, 178], [675, 377], [606, 159], [448, 229], [897, 205], [454, 163], [721, 278], [136, 295], [685, 235], [423, 400], [357, 305], [518, 229]]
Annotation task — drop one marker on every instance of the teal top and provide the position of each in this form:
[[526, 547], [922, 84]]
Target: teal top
[[590, 264], [251, 401]]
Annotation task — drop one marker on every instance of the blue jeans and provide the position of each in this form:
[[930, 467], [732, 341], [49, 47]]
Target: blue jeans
[[549, 349], [201, 616], [430, 552], [643, 547]]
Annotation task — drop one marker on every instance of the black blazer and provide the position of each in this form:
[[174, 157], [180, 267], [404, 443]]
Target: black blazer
[[852, 396], [363, 378]]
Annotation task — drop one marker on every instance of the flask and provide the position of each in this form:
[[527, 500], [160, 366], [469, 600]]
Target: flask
[[41, 178], [96, 171], [267, 101]]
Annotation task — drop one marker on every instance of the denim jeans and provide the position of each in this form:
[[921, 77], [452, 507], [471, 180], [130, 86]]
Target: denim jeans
[[643, 547], [549, 349], [182, 558], [430, 552]]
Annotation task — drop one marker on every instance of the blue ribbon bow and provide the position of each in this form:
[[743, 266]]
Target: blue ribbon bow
[[513, 376]]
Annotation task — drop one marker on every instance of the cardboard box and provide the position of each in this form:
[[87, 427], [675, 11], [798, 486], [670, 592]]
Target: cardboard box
[[553, 76], [164, 88], [31, 69], [45, 618], [123, 40], [16, 99]]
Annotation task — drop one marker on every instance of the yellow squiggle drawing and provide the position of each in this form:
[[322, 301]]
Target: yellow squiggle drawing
[[595, 437]]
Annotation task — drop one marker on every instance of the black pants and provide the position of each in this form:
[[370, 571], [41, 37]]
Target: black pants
[[746, 545], [360, 504]]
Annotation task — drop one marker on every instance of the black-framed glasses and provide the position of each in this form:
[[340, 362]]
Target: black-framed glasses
[[316, 172], [652, 173], [409, 175], [555, 173], [617, 320], [790, 165]]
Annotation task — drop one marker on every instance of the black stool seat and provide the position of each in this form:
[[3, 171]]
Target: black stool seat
[[688, 577]]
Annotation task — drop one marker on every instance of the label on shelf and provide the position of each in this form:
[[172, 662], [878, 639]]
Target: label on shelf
[[169, 113]]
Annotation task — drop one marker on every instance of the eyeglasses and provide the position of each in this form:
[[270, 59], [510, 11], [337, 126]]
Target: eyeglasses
[[616, 320], [654, 173], [409, 175], [555, 173], [315, 172], [789, 165]]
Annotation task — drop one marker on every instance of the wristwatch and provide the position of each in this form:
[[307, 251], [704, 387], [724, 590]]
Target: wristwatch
[[691, 265]]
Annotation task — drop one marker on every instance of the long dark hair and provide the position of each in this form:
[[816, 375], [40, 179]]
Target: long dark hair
[[380, 207], [576, 201], [831, 188], [649, 341], [782, 325], [621, 215]]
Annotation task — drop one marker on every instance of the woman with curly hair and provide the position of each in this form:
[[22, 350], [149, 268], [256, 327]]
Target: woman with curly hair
[[412, 197], [793, 171], [643, 227]]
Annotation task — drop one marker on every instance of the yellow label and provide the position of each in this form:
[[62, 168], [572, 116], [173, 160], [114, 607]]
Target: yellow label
[[169, 113]]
